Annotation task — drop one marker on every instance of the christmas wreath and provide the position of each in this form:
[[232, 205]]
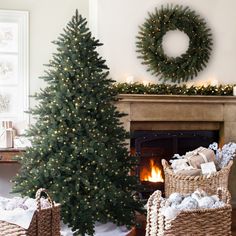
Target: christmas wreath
[[150, 49]]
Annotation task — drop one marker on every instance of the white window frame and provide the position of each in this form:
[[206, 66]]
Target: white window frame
[[22, 84]]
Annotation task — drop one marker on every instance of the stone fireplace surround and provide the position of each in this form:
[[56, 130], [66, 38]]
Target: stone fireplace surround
[[179, 112]]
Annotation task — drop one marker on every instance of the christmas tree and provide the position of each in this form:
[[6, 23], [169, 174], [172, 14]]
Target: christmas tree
[[78, 147]]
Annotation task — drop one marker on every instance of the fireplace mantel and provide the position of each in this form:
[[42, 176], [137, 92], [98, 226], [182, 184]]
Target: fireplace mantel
[[181, 112], [215, 111], [176, 98]]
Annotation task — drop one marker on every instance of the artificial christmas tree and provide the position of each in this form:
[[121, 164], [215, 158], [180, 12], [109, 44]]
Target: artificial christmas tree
[[78, 147]]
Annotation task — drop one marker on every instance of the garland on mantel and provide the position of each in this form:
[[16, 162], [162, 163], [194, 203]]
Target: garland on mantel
[[167, 89]]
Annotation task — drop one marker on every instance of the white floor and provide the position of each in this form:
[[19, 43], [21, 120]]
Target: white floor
[[108, 229]]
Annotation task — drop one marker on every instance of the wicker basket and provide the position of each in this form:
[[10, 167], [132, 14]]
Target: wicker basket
[[201, 222], [188, 184], [45, 222]]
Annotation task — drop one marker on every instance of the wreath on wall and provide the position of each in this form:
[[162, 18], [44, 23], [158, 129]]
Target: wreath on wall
[[150, 38]]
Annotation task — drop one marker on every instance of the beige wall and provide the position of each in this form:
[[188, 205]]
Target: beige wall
[[47, 19]]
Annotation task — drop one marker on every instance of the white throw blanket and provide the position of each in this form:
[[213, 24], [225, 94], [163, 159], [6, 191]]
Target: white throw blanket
[[18, 216], [19, 211]]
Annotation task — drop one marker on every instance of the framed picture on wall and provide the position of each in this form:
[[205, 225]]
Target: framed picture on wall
[[14, 69], [8, 37], [9, 69], [4, 103], [9, 104]]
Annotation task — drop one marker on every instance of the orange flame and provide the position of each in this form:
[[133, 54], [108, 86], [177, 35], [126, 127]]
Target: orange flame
[[152, 173]]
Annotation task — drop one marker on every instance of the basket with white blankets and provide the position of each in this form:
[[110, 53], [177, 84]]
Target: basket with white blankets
[[187, 215], [205, 168], [29, 217]]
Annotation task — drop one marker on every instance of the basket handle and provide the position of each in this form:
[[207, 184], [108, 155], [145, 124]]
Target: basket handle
[[165, 164], [38, 196], [153, 201], [230, 164], [224, 195]]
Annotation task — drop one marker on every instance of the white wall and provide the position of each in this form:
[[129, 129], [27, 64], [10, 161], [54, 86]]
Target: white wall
[[47, 19], [117, 26]]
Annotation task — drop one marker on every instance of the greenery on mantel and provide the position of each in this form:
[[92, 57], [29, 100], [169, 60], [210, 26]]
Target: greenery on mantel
[[168, 89]]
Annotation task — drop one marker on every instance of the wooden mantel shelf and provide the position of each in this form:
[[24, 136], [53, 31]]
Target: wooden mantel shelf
[[176, 98], [7, 154]]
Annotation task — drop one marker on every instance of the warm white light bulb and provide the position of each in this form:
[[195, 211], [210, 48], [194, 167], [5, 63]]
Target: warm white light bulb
[[214, 82], [145, 82], [130, 79]]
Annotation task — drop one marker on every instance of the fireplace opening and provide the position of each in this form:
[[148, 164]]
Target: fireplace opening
[[153, 146]]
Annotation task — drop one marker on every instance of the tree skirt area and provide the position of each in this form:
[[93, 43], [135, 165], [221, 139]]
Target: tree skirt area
[[108, 229]]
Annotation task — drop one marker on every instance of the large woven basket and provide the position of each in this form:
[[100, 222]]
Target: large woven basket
[[45, 222], [201, 222], [185, 184]]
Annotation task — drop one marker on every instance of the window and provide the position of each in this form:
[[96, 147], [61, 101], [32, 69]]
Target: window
[[14, 66]]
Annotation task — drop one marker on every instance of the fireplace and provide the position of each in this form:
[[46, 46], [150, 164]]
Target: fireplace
[[153, 145], [182, 113]]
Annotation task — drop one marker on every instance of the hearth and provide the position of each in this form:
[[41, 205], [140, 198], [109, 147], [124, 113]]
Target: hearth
[[152, 146]]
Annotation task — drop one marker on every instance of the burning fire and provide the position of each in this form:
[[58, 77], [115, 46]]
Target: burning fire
[[152, 173]]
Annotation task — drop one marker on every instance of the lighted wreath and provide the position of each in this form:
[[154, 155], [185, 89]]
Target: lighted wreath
[[150, 49]]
